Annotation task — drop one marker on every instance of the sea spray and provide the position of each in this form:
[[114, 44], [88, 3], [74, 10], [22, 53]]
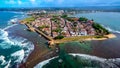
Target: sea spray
[[41, 64], [13, 50], [14, 20], [111, 30], [9, 26], [2, 60], [102, 62]]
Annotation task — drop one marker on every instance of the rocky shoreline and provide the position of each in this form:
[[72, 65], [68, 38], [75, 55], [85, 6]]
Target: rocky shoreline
[[45, 54]]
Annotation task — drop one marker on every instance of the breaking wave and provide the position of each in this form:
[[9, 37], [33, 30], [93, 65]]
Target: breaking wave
[[102, 62], [111, 30], [18, 12], [40, 65], [13, 50], [12, 21], [8, 27], [2, 59]]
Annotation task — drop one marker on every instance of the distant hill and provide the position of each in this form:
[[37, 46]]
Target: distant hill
[[86, 8]]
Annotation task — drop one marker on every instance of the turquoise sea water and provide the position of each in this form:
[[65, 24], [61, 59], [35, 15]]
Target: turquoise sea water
[[6, 17], [12, 48], [105, 53], [111, 20]]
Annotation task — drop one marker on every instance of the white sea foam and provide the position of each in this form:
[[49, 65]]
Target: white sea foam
[[14, 20], [40, 65], [2, 59], [104, 63], [8, 64], [27, 46], [10, 26], [4, 37], [3, 34], [19, 54], [8, 42], [18, 12], [90, 57], [111, 30], [15, 16]]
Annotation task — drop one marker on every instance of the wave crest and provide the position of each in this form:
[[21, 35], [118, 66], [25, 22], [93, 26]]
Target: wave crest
[[24, 48], [111, 30], [102, 62], [2, 60]]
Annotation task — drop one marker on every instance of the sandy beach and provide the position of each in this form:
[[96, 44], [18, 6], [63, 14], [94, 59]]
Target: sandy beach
[[109, 36], [41, 52]]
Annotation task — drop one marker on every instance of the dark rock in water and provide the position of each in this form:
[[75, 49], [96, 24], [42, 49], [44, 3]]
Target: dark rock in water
[[13, 22]]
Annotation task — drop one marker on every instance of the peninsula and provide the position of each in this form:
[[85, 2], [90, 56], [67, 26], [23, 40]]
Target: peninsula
[[61, 28]]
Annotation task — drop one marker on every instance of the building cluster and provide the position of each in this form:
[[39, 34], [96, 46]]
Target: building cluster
[[60, 26], [58, 12]]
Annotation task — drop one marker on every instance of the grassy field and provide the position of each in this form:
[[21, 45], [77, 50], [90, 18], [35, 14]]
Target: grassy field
[[74, 38], [28, 20]]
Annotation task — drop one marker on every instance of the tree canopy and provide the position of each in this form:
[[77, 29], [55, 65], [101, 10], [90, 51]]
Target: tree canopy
[[100, 29], [83, 19]]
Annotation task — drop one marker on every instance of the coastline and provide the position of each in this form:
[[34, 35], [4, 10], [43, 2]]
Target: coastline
[[109, 36], [20, 31], [49, 54], [102, 61], [82, 38], [70, 39], [40, 53], [39, 48]]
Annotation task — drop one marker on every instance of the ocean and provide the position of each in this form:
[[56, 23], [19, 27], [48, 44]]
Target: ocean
[[110, 20], [13, 49], [105, 53]]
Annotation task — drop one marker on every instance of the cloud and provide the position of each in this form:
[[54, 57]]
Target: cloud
[[19, 2], [11, 2], [49, 0], [60, 1], [32, 0]]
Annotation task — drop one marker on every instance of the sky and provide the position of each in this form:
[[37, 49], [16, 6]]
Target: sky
[[57, 3]]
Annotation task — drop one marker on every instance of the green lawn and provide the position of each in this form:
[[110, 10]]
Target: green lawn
[[29, 19]]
